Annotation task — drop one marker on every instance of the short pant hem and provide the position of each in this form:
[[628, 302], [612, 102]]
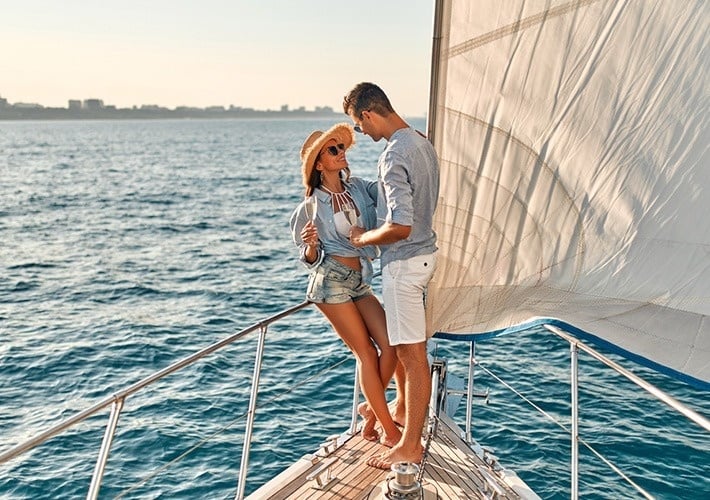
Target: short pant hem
[[335, 283]]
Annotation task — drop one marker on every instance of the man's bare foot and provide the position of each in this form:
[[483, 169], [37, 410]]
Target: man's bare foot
[[385, 460], [368, 427]]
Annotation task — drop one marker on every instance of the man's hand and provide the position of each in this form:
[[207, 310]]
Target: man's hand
[[386, 234], [356, 236]]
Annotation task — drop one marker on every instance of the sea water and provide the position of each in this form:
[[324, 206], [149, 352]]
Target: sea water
[[129, 245]]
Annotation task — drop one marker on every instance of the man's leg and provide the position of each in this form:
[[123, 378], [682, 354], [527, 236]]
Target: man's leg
[[403, 285], [417, 393], [417, 389]]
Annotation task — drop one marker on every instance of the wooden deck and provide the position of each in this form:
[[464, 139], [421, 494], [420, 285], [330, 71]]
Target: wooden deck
[[339, 471]]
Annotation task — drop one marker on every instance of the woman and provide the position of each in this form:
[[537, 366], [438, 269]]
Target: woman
[[339, 282]]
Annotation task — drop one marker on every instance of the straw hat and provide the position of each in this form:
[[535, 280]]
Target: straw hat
[[342, 133]]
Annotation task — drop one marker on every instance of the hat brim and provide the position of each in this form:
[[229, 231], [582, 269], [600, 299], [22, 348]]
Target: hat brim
[[343, 133]]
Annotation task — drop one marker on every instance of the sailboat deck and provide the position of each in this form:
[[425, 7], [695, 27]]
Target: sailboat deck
[[452, 470]]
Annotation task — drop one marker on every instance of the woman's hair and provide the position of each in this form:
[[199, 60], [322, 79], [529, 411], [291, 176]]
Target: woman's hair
[[367, 96], [313, 181]]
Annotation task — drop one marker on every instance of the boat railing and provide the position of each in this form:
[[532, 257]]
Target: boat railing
[[575, 346], [117, 400]]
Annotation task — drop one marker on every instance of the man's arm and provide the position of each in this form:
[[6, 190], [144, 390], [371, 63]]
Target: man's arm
[[386, 234]]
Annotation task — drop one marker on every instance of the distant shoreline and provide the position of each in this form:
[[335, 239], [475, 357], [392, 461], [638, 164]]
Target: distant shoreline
[[16, 114], [96, 109]]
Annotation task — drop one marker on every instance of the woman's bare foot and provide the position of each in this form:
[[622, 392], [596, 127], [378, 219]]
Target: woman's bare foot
[[390, 441], [398, 414], [370, 434], [385, 460], [368, 427]]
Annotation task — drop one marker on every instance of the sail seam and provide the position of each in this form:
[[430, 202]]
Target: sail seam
[[515, 27]]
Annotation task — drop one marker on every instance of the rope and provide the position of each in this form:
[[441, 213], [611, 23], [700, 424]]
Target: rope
[[433, 425]]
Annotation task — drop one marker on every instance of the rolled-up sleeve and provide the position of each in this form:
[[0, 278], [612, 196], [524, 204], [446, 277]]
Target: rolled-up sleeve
[[371, 188], [398, 191]]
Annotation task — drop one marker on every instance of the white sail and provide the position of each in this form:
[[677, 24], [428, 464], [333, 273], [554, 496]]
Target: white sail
[[573, 140]]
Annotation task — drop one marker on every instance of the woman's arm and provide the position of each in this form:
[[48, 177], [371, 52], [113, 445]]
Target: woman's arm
[[304, 234]]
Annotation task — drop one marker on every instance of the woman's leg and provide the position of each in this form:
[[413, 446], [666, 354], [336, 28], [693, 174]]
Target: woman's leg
[[374, 315], [399, 414], [352, 329]]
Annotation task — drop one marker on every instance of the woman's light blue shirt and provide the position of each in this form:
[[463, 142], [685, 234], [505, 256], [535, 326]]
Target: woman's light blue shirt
[[364, 194]]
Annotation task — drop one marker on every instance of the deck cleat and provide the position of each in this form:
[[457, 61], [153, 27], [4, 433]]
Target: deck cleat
[[328, 446], [322, 477]]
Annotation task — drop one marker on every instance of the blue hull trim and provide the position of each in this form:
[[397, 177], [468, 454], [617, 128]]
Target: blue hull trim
[[581, 335]]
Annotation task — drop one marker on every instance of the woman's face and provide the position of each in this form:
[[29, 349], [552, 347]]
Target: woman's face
[[332, 156]]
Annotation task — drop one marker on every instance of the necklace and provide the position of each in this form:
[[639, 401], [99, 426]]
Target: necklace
[[341, 201]]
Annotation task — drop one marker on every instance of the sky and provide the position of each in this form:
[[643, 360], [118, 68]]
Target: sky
[[251, 53]]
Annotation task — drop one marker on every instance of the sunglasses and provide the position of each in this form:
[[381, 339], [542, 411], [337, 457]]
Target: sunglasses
[[358, 128], [333, 150]]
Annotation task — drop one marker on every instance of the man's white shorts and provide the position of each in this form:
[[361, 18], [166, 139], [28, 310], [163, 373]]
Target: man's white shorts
[[404, 285]]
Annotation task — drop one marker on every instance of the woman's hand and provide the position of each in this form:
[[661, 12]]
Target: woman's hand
[[309, 234]]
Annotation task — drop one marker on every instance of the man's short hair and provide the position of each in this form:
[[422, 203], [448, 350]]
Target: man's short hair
[[366, 96]]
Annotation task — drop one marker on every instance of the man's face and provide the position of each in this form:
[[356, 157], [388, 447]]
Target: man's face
[[364, 124]]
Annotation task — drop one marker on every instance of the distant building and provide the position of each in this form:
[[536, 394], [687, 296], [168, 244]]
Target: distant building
[[27, 105], [93, 104], [152, 107], [91, 109]]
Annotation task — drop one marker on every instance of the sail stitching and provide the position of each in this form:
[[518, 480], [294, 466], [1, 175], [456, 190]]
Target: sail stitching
[[515, 27]]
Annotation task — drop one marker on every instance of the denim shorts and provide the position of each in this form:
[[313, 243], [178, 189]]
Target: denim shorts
[[335, 283]]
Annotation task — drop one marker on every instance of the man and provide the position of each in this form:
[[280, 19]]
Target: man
[[408, 178]]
